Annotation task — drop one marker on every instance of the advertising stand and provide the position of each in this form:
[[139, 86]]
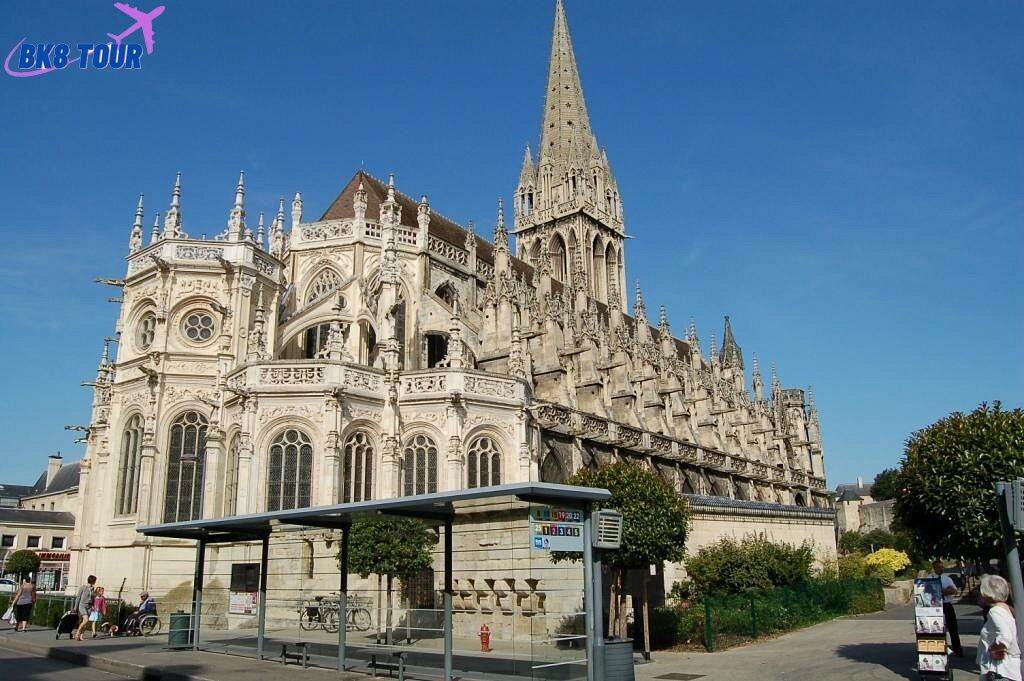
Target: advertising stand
[[930, 629]]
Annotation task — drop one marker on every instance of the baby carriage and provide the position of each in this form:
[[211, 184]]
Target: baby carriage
[[67, 624]]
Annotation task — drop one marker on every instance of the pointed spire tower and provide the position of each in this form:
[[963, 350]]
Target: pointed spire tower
[[135, 241], [731, 356], [571, 187]]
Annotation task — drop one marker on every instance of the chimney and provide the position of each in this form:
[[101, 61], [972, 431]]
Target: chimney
[[52, 466], [860, 482]]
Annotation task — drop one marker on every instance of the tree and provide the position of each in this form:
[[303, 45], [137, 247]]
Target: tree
[[391, 547], [886, 485], [850, 541], [22, 563], [947, 500], [655, 523]]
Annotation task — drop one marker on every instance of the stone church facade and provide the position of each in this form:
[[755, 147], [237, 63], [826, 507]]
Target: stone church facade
[[381, 349]]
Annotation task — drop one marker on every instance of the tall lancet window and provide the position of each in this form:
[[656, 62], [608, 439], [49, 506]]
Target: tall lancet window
[[186, 459], [483, 464], [129, 467], [357, 482], [290, 471], [231, 477], [419, 466]]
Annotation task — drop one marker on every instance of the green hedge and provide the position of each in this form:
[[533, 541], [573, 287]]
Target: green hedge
[[49, 609], [721, 621]]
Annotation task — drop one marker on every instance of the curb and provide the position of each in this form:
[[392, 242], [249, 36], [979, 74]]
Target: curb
[[103, 663]]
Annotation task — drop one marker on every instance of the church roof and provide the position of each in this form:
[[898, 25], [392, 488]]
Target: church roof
[[441, 227], [31, 517]]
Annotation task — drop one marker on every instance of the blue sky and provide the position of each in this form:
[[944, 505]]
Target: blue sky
[[846, 180]]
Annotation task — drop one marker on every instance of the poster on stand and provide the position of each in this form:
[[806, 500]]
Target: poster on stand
[[930, 628]]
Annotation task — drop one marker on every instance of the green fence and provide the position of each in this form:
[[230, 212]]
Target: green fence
[[718, 622], [49, 608]]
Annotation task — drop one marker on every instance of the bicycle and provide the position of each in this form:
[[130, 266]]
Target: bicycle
[[320, 613], [358, 616]]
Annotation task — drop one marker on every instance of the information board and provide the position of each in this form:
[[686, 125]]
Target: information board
[[556, 529], [243, 603]]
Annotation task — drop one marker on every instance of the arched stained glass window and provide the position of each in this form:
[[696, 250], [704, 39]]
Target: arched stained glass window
[[483, 465], [186, 458], [129, 467], [290, 471], [357, 482], [419, 466]]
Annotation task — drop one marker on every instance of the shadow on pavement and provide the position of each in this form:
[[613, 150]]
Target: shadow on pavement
[[899, 658]]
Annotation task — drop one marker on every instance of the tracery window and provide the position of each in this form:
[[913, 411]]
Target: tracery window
[[290, 471], [325, 283], [357, 483], [145, 331], [231, 477], [483, 465], [419, 466], [186, 459], [198, 326], [129, 467]]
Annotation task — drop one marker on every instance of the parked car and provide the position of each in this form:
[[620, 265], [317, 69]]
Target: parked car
[[8, 586]]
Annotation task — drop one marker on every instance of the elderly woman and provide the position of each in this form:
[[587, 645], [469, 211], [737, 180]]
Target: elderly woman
[[998, 651]]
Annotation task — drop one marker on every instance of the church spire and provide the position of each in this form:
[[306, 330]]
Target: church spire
[[527, 173], [135, 242], [732, 355], [565, 112], [172, 219], [236, 218]]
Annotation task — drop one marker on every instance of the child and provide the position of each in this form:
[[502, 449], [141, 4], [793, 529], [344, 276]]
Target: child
[[98, 610]]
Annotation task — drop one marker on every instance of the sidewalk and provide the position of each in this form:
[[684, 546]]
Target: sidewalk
[[876, 647]]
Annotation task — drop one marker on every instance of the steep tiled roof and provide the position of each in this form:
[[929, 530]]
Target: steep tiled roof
[[440, 226], [66, 478], [24, 515]]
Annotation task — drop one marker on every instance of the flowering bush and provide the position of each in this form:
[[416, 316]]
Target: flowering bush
[[889, 558]]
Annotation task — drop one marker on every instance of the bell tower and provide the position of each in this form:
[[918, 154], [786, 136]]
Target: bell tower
[[567, 204]]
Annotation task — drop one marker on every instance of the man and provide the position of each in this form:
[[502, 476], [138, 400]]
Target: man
[[147, 606], [948, 591], [83, 601]]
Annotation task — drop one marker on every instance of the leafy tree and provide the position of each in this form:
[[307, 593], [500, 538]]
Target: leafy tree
[[655, 523], [947, 500], [391, 547], [851, 541], [22, 563], [886, 485]]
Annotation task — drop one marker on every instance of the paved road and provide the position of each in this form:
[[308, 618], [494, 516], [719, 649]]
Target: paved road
[[875, 647], [25, 667]]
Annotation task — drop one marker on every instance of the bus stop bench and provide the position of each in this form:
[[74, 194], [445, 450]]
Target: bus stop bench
[[379, 660], [301, 654]]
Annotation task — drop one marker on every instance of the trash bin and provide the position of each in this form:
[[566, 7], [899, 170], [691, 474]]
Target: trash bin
[[618, 659], [179, 633]]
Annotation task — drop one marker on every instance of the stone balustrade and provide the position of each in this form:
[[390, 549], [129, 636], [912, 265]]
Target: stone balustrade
[[202, 252]]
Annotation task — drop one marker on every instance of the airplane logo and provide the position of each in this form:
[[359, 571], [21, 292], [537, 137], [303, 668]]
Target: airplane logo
[[50, 57], [143, 22]]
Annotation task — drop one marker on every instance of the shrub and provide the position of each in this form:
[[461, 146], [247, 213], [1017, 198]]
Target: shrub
[[666, 625], [681, 591], [890, 558], [752, 563], [851, 541], [851, 567], [882, 573]]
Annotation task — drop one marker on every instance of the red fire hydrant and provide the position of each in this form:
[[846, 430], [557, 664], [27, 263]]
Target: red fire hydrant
[[485, 639]]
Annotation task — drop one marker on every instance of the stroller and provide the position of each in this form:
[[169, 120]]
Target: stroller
[[68, 623]]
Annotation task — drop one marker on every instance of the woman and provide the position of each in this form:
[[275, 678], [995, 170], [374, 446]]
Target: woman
[[24, 599], [998, 652], [98, 610]]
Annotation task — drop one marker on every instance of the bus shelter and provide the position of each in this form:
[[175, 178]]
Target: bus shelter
[[539, 510]]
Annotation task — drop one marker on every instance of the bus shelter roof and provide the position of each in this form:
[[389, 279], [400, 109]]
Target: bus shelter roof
[[434, 506]]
